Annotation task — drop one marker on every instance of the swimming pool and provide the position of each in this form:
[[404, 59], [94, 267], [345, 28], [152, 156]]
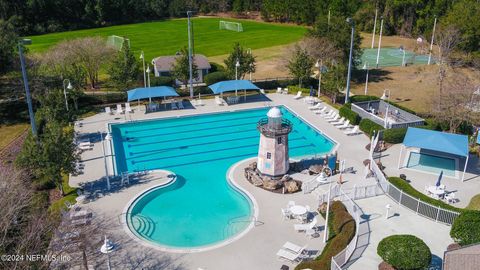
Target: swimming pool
[[200, 208], [431, 163]]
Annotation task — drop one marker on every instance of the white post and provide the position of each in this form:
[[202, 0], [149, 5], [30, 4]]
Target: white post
[[380, 40], [366, 78], [403, 59], [329, 17], [65, 92], [465, 169], [319, 77], [105, 161], [400, 156], [142, 56], [325, 233], [433, 37], [374, 27], [388, 206]]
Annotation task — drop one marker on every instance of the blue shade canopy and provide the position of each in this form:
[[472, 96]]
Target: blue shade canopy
[[232, 85], [437, 141], [150, 92]]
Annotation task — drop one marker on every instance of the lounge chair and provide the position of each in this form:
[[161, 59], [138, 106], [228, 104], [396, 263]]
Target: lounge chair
[[292, 247], [262, 91], [279, 90], [299, 95], [289, 255], [174, 105], [345, 125], [180, 105], [339, 121], [219, 101], [108, 110], [304, 227], [328, 114], [317, 106], [285, 91], [119, 109], [334, 119], [353, 131], [322, 111], [128, 108]]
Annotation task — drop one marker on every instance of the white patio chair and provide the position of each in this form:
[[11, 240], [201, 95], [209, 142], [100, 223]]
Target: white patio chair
[[333, 119], [285, 91], [322, 111], [354, 131], [317, 106], [450, 197], [128, 108], [286, 214], [332, 116], [304, 227], [338, 122], [119, 109], [442, 187], [279, 90], [293, 247], [345, 125], [108, 110], [299, 95], [328, 114], [291, 256], [290, 204], [218, 101]]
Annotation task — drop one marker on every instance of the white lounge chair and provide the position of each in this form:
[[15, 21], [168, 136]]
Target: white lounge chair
[[285, 91], [218, 101], [293, 248], [174, 105], [108, 110], [304, 227], [119, 109], [180, 105], [334, 119], [317, 106], [339, 121], [199, 102], [128, 108], [299, 95], [279, 90], [353, 131], [345, 125], [288, 255], [328, 114], [322, 111]]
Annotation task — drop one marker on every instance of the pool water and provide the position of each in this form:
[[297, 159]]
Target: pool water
[[201, 208], [432, 164]]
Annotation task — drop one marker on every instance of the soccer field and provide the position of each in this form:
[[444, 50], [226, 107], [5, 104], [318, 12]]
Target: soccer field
[[167, 37]]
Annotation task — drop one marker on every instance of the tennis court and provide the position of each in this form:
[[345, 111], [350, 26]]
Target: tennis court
[[391, 57]]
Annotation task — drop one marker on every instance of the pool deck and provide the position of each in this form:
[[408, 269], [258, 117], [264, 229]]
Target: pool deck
[[257, 248]]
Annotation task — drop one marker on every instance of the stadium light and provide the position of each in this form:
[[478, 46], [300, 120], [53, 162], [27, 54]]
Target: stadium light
[[374, 25], [319, 65], [142, 56], [236, 69], [190, 54], [433, 37], [365, 67], [148, 74], [380, 40], [25, 83], [69, 87], [349, 73]]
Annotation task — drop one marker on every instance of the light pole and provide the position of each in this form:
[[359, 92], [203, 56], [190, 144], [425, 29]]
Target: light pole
[[386, 97], [320, 67], [237, 65], [190, 60], [25, 83], [374, 26], [433, 37], [142, 56], [380, 40], [107, 248], [403, 58], [105, 160], [349, 73], [148, 75], [69, 87], [365, 67]]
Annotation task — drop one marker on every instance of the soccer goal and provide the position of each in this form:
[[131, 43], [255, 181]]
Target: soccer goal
[[117, 42], [232, 26]]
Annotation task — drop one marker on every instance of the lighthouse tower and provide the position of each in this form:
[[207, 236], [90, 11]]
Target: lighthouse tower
[[273, 148]]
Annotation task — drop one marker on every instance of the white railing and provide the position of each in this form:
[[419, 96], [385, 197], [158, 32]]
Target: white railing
[[424, 209]]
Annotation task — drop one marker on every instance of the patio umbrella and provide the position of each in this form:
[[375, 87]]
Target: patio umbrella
[[439, 180]]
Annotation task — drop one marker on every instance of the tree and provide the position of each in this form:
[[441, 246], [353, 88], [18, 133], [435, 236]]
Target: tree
[[244, 58], [8, 43], [406, 252], [447, 39], [465, 229], [181, 68], [334, 80], [124, 68], [464, 16], [300, 65]]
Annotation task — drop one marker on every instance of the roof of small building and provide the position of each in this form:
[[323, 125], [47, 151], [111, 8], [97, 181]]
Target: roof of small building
[[165, 63], [463, 258], [274, 113]]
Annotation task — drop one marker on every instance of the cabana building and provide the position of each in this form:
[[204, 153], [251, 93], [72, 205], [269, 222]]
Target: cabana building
[[434, 152], [163, 66], [386, 114]]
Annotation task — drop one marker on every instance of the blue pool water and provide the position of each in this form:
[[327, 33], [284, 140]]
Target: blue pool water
[[200, 208], [431, 163]]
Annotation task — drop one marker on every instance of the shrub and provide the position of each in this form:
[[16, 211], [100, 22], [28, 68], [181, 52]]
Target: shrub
[[343, 226], [216, 67], [162, 80], [360, 98], [273, 84], [466, 228], [292, 89], [369, 126], [406, 252], [394, 135], [102, 99], [215, 77], [407, 188], [345, 111]]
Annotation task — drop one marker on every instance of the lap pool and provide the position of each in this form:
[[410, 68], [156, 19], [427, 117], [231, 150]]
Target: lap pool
[[201, 208]]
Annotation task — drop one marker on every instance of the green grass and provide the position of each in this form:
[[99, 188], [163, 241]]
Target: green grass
[[167, 37], [70, 195], [474, 203], [8, 133]]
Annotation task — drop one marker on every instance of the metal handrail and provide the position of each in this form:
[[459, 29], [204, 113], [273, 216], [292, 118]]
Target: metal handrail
[[270, 131]]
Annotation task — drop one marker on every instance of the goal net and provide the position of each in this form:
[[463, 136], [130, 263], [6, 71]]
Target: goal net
[[232, 26], [117, 42]]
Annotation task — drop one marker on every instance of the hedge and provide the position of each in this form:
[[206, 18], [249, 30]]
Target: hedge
[[216, 67], [293, 89], [273, 84], [343, 227], [361, 98], [162, 80], [406, 252], [345, 111], [394, 135], [466, 228], [215, 77], [408, 189], [102, 98], [369, 126]]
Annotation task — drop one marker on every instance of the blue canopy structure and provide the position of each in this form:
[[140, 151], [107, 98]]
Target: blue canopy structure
[[232, 85], [450, 143], [149, 92]]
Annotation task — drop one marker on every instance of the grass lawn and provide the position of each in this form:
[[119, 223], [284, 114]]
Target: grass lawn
[[474, 203], [9, 132], [167, 37], [70, 195]]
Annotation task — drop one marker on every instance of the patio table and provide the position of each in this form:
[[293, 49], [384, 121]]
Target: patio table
[[298, 210], [436, 191]]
